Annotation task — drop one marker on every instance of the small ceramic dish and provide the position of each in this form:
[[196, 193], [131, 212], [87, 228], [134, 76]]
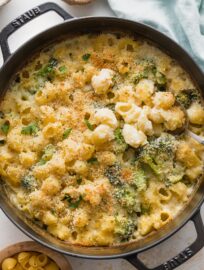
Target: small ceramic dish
[[31, 246]]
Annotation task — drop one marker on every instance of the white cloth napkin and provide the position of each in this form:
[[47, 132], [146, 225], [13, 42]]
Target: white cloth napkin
[[182, 20]]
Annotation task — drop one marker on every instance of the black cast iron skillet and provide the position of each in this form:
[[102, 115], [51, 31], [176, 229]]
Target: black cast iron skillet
[[71, 26]]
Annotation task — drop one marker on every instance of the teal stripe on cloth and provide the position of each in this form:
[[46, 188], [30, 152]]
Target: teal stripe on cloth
[[182, 20]]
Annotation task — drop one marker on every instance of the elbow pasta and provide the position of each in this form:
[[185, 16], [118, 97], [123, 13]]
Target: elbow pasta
[[144, 124], [107, 117], [41, 260], [29, 261], [196, 114], [144, 90], [102, 134], [88, 145], [164, 100], [129, 111], [133, 137], [23, 256], [103, 81], [9, 264]]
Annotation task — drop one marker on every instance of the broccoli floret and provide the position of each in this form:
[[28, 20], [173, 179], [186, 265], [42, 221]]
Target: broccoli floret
[[158, 150], [145, 209], [66, 133], [86, 56], [120, 145], [124, 227], [29, 183], [47, 154], [160, 80], [111, 106], [176, 173], [73, 203], [31, 129], [127, 197], [63, 69], [139, 179], [150, 71], [187, 96], [113, 173], [5, 127], [140, 76], [47, 72], [148, 65], [92, 160], [159, 155]]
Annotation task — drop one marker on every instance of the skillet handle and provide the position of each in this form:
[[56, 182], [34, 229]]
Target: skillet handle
[[25, 18], [181, 257]]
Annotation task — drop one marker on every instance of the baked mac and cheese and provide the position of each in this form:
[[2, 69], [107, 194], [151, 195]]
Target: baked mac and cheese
[[89, 148]]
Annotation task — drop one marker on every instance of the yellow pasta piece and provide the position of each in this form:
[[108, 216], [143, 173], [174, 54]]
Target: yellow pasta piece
[[50, 185], [41, 260], [145, 225], [49, 218], [25, 264], [18, 267], [164, 193], [31, 268], [161, 219], [9, 264], [23, 256], [33, 261], [51, 266]]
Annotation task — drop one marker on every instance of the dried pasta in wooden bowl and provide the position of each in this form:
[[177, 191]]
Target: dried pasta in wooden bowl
[[31, 256]]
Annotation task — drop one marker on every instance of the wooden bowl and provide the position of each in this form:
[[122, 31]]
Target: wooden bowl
[[58, 258]]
